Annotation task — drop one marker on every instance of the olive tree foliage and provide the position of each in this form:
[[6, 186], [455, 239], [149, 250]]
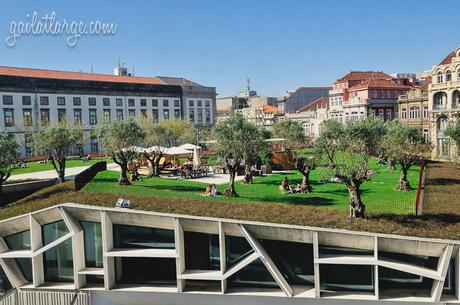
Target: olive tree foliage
[[405, 145], [453, 132], [118, 138], [57, 142], [235, 137], [8, 155], [156, 137], [253, 151], [178, 131], [348, 148], [291, 132]]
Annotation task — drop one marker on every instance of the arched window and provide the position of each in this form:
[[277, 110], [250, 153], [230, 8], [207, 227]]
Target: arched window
[[448, 76], [443, 122], [456, 99], [458, 74], [439, 78], [440, 99], [414, 112]]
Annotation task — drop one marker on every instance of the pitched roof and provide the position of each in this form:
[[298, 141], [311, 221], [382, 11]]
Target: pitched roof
[[448, 58], [424, 87], [268, 108], [66, 75], [178, 81], [378, 84], [361, 76], [321, 101]]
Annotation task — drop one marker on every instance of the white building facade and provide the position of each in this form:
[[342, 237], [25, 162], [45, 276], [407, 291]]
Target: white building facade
[[31, 100]]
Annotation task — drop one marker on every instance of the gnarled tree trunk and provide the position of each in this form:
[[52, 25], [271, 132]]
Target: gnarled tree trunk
[[247, 174], [357, 207], [124, 173], [391, 165], [230, 191], [403, 184], [154, 164], [305, 186]]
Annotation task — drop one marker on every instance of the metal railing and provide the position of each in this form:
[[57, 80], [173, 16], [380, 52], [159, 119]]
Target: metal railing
[[45, 297]]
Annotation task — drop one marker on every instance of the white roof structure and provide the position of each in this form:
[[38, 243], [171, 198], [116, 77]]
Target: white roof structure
[[190, 146], [137, 149], [173, 151], [156, 148]]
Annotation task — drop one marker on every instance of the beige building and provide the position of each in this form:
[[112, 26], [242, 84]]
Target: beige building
[[444, 104], [262, 116], [312, 116], [413, 109]]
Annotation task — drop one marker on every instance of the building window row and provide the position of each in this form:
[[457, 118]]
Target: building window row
[[199, 103], [440, 77]]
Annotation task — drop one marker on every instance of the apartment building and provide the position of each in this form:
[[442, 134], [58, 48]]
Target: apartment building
[[444, 104], [413, 109], [302, 97], [312, 116], [339, 95], [262, 116], [32, 99]]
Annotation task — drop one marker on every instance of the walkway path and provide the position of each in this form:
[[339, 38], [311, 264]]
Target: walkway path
[[442, 188], [51, 174]]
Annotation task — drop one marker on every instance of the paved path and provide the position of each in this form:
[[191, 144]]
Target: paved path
[[71, 172]]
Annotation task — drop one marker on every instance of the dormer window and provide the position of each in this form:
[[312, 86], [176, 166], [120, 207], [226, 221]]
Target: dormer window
[[439, 77], [448, 76]]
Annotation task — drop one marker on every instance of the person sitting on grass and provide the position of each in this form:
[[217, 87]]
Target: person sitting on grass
[[135, 173], [211, 190], [284, 184]]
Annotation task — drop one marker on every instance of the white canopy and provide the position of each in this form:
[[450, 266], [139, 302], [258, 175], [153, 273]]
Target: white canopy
[[137, 149], [176, 151], [190, 146], [156, 149]]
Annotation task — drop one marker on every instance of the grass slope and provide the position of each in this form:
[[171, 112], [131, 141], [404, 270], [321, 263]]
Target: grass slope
[[40, 167], [378, 193]]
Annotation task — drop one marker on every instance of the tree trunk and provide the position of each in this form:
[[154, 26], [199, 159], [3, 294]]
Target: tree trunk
[[391, 165], [305, 185], [247, 174], [403, 184], [156, 165], [357, 207], [61, 170], [230, 191], [2, 195], [124, 173]]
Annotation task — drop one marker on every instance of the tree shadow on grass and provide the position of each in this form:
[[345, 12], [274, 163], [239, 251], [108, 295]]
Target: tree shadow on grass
[[172, 188], [442, 181], [416, 221], [295, 200]]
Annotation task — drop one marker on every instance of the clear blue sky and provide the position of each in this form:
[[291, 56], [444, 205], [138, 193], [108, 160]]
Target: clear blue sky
[[279, 45]]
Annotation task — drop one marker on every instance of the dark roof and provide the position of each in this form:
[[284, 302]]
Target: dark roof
[[304, 96], [66, 75], [448, 58], [324, 100], [178, 81]]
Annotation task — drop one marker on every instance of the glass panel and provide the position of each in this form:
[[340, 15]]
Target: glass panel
[[25, 264], [93, 244], [201, 251], [18, 241], [141, 270], [394, 279], [53, 231], [422, 261], [327, 250], [347, 278], [450, 282], [237, 248], [94, 279], [294, 260], [142, 237], [5, 285], [58, 263], [254, 275]]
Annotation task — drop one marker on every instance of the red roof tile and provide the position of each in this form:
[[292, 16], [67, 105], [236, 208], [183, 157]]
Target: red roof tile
[[52, 74], [361, 76], [378, 84], [448, 58]]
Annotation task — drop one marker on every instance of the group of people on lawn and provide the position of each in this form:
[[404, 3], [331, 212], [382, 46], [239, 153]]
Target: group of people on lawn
[[287, 188]]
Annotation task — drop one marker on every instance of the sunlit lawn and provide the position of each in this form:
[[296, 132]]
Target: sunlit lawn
[[378, 193], [39, 167]]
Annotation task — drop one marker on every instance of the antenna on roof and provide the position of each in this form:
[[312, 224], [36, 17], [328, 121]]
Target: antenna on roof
[[92, 68], [133, 70], [249, 84]]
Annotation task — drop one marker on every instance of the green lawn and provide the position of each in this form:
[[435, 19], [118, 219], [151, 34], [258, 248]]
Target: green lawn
[[378, 193], [38, 167]]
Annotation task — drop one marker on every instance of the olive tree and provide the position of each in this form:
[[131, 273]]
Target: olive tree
[[348, 153], [8, 155], [252, 153], [119, 137], [57, 142], [405, 145], [179, 131], [305, 164], [234, 138], [291, 132], [156, 137]]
